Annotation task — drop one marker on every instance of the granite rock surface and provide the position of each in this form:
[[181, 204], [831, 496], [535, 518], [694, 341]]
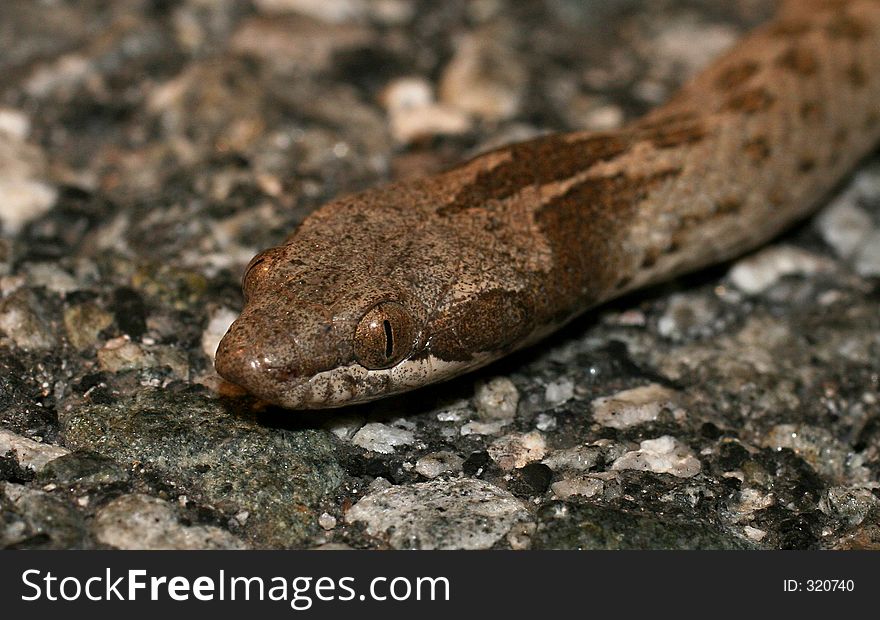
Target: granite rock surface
[[148, 149]]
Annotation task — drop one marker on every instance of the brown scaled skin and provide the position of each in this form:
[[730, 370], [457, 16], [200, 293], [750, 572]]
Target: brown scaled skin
[[416, 282]]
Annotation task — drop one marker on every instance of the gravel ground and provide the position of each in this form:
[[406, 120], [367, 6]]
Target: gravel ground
[[149, 148]]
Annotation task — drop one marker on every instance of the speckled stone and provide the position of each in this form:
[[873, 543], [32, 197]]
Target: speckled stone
[[25, 320], [496, 399], [148, 165], [461, 514], [632, 407], [27, 452], [581, 485], [582, 526], [33, 519], [436, 463], [215, 457], [143, 522], [664, 455], [518, 449], [26, 194], [383, 438], [85, 469]]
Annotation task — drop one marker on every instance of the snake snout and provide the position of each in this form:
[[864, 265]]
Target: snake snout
[[274, 355], [241, 360]]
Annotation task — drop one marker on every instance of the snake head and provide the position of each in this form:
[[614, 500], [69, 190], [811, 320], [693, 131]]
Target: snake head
[[374, 294], [280, 338], [314, 334]]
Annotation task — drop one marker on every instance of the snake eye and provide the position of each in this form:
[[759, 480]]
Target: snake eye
[[385, 336]]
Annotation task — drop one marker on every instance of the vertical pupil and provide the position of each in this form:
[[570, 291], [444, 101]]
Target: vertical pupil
[[389, 338]]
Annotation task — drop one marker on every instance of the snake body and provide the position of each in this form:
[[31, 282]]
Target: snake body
[[415, 282]]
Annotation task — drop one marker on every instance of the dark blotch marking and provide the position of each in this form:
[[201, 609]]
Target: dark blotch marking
[[841, 137], [674, 134], [806, 164], [750, 101], [491, 320], [791, 28], [831, 5], [872, 119], [799, 59], [623, 282], [584, 228], [856, 75], [737, 75], [650, 258], [536, 162], [728, 206], [812, 112], [664, 120], [725, 207], [846, 27], [758, 149], [777, 196]]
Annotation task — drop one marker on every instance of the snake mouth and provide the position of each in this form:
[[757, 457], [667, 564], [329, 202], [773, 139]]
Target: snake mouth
[[283, 374], [284, 385], [293, 383], [279, 385], [353, 384]]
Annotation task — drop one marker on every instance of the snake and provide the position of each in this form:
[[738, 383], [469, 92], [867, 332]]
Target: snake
[[417, 281]]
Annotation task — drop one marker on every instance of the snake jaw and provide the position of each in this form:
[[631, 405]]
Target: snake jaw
[[281, 380]]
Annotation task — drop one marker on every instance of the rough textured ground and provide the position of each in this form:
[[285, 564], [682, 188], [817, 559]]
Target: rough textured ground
[[149, 148]]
